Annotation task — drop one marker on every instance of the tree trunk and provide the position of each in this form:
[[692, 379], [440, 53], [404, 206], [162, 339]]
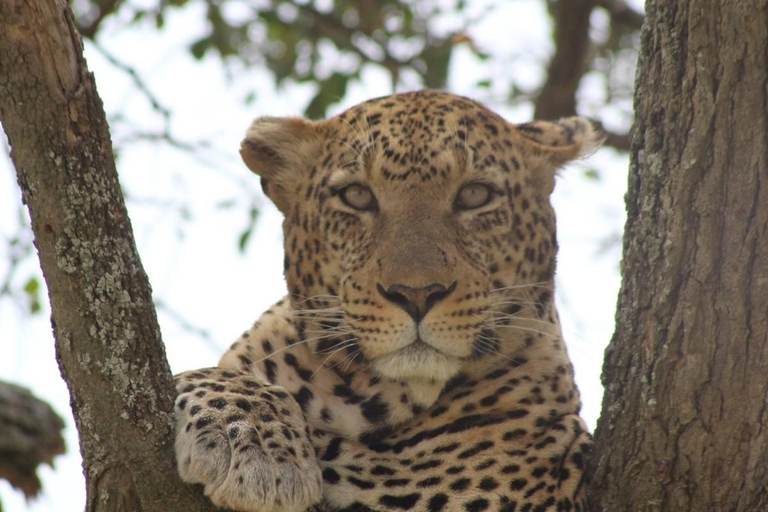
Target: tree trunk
[[107, 338], [685, 422]]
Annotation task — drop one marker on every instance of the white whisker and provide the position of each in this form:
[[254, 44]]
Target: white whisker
[[541, 285]]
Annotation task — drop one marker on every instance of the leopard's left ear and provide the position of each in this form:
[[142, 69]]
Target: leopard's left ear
[[550, 145], [280, 149]]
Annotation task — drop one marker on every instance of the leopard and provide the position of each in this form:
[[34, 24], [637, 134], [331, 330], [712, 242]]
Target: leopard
[[417, 362]]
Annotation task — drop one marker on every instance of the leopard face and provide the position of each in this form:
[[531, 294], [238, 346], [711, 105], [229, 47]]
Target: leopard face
[[419, 235]]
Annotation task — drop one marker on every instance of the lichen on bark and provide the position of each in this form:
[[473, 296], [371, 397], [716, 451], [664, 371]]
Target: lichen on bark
[[107, 339], [685, 374]]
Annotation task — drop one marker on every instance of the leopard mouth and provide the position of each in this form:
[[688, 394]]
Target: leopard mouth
[[419, 360], [420, 349], [419, 345]]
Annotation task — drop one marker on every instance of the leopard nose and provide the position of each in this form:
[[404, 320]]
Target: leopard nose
[[416, 301]]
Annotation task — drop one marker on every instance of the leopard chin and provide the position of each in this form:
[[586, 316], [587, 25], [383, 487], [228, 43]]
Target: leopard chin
[[417, 361]]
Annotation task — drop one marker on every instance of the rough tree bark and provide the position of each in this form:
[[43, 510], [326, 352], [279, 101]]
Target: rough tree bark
[[685, 418], [107, 338]]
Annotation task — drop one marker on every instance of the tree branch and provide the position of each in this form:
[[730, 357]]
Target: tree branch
[[558, 95], [331, 27], [620, 141], [622, 14], [107, 339], [89, 26]]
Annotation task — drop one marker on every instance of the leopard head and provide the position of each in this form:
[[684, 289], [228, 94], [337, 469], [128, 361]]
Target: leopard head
[[418, 226]]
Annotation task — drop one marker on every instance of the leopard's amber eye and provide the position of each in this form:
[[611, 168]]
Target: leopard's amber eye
[[358, 197], [473, 195]]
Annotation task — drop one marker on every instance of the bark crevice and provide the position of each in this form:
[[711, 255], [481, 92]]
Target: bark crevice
[[685, 371], [108, 341]]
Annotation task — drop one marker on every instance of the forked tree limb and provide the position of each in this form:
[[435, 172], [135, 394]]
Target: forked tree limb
[[108, 341], [557, 97], [622, 13]]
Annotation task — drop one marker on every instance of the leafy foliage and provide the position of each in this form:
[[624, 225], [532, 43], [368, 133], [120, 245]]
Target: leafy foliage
[[325, 42], [331, 43]]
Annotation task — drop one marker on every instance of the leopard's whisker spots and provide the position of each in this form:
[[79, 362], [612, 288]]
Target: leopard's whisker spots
[[336, 348], [528, 304], [528, 286], [339, 349], [529, 329], [302, 311], [514, 317], [499, 320], [351, 358], [294, 345], [332, 331], [399, 208], [330, 337], [493, 348], [314, 296], [325, 323], [523, 297], [327, 335], [342, 340], [322, 299], [340, 327], [504, 300], [278, 351], [522, 315], [489, 345], [492, 340], [325, 312], [320, 315]]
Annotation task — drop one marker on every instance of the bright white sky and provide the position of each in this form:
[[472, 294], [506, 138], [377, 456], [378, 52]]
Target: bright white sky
[[194, 266]]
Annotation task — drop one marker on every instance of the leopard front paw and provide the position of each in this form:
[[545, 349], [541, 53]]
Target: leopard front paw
[[246, 442]]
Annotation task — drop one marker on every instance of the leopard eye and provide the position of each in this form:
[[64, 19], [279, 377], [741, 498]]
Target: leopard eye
[[358, 197], [473, 196]]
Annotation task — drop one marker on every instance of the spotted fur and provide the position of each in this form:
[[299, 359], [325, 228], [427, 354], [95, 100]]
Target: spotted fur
[[417, 363]]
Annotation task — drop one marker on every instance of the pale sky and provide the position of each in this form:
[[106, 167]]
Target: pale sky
[[194, 266]]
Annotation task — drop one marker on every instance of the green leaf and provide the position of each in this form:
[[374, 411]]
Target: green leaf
[[32, 290], [591, 174], [199, 47], [242, 241], [245, 236], [226, 204], [32, 287]]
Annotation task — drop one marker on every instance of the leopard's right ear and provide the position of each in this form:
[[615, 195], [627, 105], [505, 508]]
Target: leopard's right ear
[[279, 149], [552, 144]]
